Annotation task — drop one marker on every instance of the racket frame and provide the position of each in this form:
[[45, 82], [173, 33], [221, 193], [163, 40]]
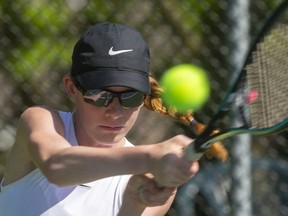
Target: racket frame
[[196, 149]]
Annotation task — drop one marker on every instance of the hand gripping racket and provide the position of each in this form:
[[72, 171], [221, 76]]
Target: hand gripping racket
[[260, 92]]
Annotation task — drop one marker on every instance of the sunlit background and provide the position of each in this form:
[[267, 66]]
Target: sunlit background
[[36, 41]]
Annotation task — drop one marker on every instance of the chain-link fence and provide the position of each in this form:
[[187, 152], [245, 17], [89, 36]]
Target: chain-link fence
[[36, 41]]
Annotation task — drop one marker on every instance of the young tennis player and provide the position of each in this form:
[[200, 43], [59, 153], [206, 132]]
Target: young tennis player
[[80, 163]]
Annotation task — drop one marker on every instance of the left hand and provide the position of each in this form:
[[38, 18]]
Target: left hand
[[146, 192]]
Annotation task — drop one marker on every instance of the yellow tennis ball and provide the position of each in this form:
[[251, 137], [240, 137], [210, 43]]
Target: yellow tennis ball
[[186, 87]]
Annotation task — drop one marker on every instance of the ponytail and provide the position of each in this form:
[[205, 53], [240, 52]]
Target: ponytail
[[154, 102]]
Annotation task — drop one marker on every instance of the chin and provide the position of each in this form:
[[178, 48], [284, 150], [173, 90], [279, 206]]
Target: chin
[[111, 142]]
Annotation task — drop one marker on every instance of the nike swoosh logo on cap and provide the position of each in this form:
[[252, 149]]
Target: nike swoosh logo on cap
[[112, 52]]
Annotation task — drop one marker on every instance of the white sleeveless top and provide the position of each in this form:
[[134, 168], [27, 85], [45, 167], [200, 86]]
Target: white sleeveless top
[[34, 195]]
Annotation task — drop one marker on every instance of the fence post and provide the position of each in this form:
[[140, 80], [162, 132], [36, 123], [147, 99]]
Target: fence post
[[240, 148]]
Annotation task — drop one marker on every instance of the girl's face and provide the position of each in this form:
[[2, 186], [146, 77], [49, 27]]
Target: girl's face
[[102, 126]]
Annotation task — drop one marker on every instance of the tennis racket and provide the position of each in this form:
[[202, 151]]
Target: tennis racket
[[259, 94]]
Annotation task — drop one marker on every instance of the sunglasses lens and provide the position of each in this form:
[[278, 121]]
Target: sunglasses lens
[[96, 97], [131, 99], [102, 98]]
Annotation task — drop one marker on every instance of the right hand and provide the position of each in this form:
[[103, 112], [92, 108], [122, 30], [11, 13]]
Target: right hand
[[170, 168]]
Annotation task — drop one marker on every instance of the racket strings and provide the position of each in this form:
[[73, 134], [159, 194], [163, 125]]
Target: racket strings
[[267, 76]]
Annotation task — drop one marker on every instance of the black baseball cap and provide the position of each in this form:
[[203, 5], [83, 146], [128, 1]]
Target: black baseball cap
[[108, 55]]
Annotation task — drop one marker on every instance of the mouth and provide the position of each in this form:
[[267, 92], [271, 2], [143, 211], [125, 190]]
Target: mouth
[[111, 128]]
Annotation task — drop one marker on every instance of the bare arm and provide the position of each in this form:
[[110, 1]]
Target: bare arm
[[62, 164], [40, 136]]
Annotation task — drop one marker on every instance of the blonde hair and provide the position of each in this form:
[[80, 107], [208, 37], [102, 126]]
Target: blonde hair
[[155, 103]]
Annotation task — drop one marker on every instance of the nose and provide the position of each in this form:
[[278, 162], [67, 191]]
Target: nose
[[114, 108]]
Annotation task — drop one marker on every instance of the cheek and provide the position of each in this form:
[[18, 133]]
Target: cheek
[[88, 112], [133, 116]]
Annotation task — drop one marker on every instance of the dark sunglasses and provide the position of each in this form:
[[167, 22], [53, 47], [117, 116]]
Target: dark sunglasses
[[102, 98]]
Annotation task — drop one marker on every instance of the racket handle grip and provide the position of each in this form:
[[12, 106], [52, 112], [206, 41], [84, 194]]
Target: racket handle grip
[[191, 154]]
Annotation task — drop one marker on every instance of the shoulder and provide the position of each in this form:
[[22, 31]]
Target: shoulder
[[38, 110], [38, 117], [34, 120]]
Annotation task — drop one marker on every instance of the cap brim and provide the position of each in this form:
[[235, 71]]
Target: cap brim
[[128, 78]]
